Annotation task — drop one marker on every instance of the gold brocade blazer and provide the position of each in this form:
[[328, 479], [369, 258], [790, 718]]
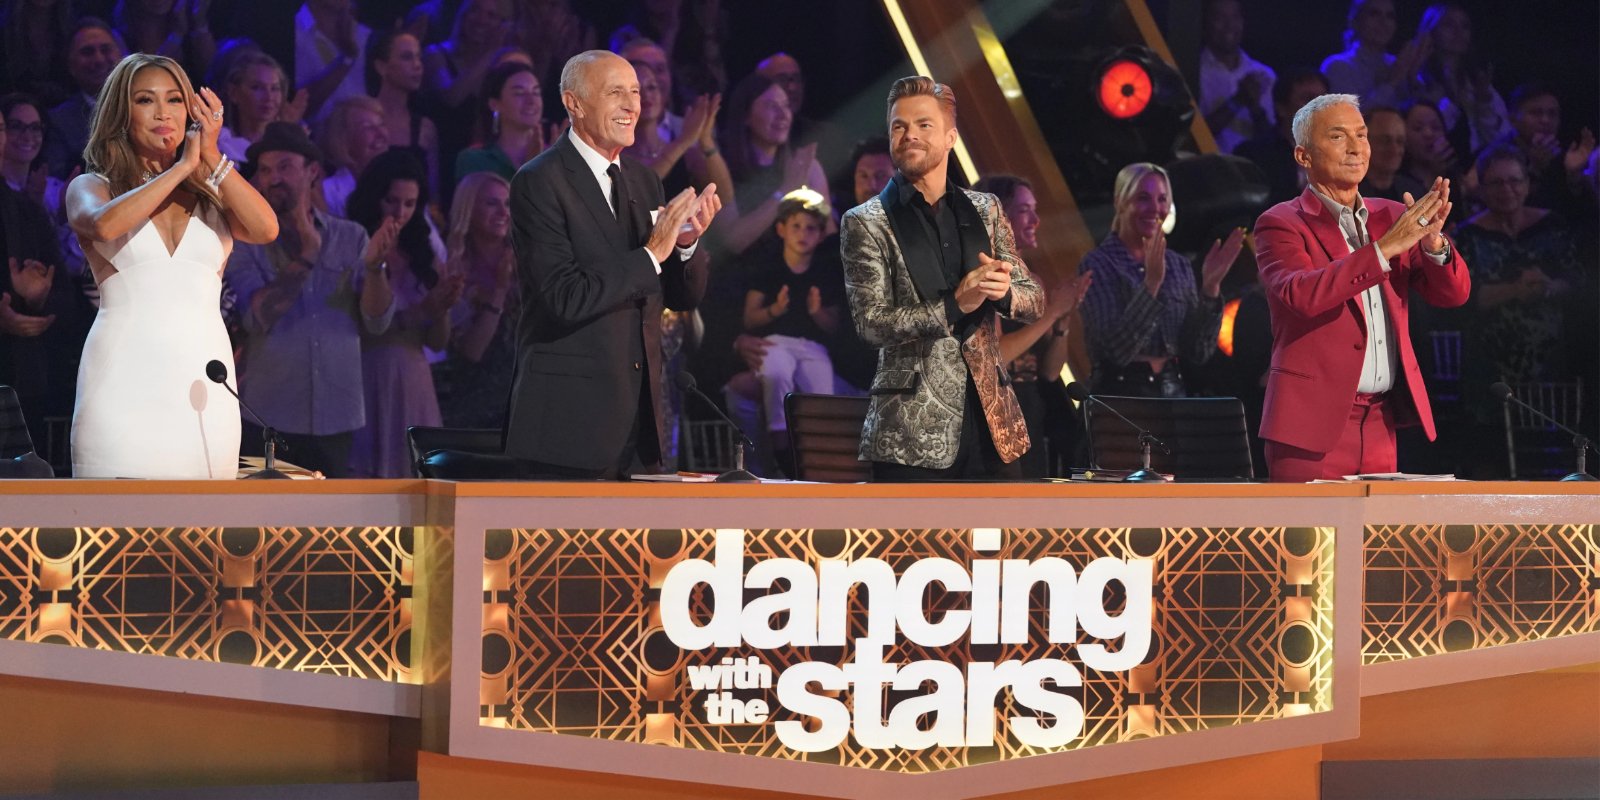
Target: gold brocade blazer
[[896, 288]]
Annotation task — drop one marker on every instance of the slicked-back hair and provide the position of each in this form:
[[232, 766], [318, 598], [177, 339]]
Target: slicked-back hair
[[924, 86], [1303, 117]]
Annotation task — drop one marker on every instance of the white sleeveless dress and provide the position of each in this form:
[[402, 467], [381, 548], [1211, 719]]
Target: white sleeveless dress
[[145, 408]]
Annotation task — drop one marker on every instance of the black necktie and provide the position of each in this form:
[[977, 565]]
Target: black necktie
[[617, 196]]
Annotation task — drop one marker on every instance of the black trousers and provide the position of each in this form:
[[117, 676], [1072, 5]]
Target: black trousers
[[976, 458]]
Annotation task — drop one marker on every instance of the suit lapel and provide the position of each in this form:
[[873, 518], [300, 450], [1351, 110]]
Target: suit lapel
[[583, 181], [921, 260], [974, 234], [1323, 225]]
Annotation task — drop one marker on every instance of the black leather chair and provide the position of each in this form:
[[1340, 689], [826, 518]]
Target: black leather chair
[[1207, 436], [825, 436], [17, 457], [454, 453]]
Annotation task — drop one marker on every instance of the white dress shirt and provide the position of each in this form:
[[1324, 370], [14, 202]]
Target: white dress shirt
[[1218, 85], [1382, 354], [598, 164]]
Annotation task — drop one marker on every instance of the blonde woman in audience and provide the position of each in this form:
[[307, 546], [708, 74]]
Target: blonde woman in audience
[[474, 381]]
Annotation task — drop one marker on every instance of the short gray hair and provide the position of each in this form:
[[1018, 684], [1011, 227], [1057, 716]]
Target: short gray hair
[[1302, 118], [573, 73]]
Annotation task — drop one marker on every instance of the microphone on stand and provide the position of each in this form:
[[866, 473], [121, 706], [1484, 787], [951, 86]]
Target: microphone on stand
[[1144, 474], [687, 383], [218, 373], [1580, 443]]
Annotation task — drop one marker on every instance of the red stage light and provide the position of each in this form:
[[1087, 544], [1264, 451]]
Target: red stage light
[[1125, 89]]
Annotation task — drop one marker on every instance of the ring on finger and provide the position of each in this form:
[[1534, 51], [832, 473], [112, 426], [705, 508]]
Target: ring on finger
[[1422, 222]]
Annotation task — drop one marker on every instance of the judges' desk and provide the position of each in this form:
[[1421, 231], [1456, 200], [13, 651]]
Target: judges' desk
[[953, 640]]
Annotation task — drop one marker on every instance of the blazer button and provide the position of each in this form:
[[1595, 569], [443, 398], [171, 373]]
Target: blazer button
[[1356, 346], [636, 366]]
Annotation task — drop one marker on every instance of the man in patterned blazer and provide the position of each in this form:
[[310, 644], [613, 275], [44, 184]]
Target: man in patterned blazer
[[930, 268]]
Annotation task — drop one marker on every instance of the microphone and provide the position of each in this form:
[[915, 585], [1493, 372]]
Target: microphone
[[1144, 474], [1580, 443], [687, 383], [218, 373]]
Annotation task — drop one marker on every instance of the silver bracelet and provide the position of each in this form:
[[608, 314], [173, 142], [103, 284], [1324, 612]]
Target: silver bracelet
[[221, 172]]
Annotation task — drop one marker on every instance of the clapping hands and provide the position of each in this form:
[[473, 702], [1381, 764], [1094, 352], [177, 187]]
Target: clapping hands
[[1218, 261]]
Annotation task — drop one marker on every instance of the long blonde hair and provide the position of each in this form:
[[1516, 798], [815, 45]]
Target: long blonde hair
[[462, 207], [109, 152]]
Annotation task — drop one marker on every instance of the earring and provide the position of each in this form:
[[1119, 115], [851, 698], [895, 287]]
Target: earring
[[494, 123]]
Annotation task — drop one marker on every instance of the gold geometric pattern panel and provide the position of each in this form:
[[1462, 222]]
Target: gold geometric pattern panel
[[573, 642], [1434, 589], [335, 600]]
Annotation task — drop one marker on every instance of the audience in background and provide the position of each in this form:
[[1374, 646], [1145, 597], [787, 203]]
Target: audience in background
[[329, 49], [393, 74], [254, 94], [1556, 171], [1429, 154], [1524, 268], [690, 158], [474, 381], [1458, 83], [307, 300], [352, 135], [35, 37], [177, 29], [455, 68], [1235, 89], [1386, 132], [21, 160], [1274, 150], [510, 123], [93, 50], [389, 202], [764, 165], [1366, 68], [1144, 312]]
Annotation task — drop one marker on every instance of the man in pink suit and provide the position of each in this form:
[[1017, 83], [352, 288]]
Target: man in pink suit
[[1338, 271]]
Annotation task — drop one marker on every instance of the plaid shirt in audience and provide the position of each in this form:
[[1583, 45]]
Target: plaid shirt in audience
[[1124, 321]]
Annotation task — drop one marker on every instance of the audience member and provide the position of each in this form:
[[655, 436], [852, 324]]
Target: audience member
[[645, 55], [255, 89], [1035, 353], [474, 381], [833, 145], [93, 50], [307, 299], [352, 135], [552, 32], [1365, 68], [393, 74], [872, 168], [1386, 132], [455, 68], [1524, 267], [389, 202], [794, 303], [692, 159], [177, 29], [1460, 85], [764, 166], [1274, 150], [1429, 153], [1235, 89], [21, 160], [329, 46], [35, 35], [1144, 313], [1556, 172], [430, 20], [43, 318], [510, 124]]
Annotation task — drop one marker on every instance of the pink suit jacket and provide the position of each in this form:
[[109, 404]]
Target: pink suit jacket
[[1319, 330]]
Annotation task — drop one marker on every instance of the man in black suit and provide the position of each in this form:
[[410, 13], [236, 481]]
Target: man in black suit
[[597, 256]]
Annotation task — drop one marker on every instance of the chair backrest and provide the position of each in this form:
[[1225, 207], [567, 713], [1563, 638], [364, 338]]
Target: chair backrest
[[1542, 452], [825, 437], [1207, 436], [14, 437], [424, 440], [708, 445]]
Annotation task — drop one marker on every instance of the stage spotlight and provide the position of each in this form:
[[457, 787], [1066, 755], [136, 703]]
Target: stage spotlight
[[1125, 88]]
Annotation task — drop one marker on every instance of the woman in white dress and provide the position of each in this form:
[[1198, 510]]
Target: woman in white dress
[[157, 211]]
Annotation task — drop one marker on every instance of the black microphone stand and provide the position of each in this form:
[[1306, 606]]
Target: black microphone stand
[[738, 474], [1144, 474], [218, 373], [1580, 443]]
